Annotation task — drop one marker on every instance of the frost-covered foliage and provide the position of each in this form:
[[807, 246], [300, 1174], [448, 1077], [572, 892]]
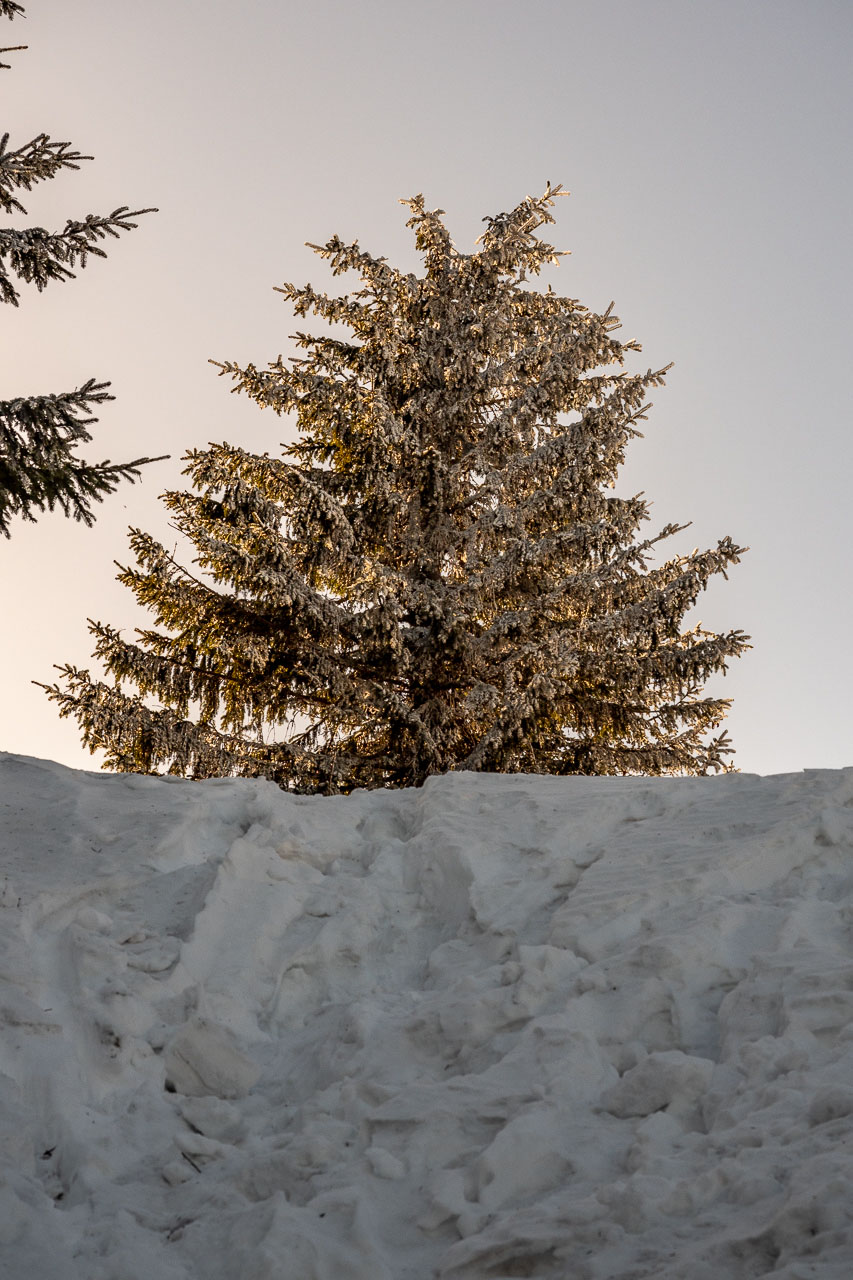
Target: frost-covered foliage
[[437, 575], [39, 469]]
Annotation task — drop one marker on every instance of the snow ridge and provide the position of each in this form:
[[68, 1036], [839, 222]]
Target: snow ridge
[[498, 1026]]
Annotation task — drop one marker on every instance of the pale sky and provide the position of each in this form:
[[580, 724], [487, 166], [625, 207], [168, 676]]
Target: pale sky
[[707, 148]]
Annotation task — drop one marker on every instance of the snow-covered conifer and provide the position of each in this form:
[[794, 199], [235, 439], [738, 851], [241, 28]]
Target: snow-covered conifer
[[437, 574], [39, 468]]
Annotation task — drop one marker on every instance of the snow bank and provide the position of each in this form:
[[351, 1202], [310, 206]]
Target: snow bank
[[499, 1026]]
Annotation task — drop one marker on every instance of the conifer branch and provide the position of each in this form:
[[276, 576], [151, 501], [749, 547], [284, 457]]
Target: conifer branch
[[39, 469]]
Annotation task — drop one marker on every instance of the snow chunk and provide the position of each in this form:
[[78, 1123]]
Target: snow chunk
[[203, 1058], [670, 1080]]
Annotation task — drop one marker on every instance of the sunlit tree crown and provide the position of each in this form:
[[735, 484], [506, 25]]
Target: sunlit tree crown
[[437, 574]]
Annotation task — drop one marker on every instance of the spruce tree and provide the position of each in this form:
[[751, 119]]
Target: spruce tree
[[39, 469], [437, 574]]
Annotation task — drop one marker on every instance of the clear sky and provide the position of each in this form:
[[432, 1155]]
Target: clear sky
[[707, 148]]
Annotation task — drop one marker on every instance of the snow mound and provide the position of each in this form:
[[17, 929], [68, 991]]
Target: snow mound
[[496, 1027]]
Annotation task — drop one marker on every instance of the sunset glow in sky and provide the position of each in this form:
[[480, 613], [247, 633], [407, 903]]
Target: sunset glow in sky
[[707, 151]]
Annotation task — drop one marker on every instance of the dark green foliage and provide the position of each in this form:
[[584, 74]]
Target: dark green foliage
[[39, 469]]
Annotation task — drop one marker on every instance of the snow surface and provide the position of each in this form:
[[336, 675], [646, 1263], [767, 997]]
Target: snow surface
[[499, 1026]]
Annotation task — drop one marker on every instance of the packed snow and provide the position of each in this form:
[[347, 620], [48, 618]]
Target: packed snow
[[501, 1026]]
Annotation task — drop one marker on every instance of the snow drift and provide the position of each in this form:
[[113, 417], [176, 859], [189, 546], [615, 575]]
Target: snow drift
[[499, 1026]]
